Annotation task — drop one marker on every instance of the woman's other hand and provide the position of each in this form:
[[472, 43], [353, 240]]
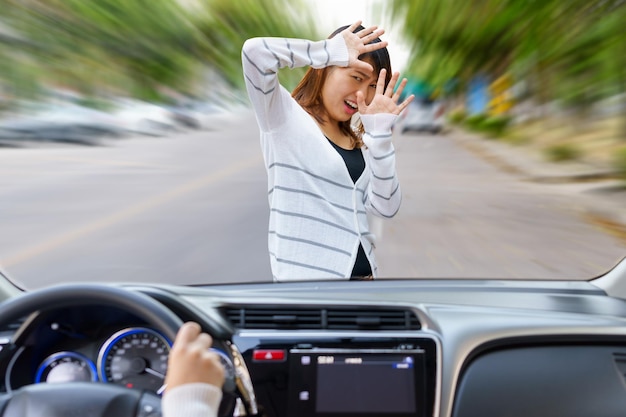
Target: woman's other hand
[[385, 99]]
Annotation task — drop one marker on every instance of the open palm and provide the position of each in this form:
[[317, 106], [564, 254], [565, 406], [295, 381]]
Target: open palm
[[385, 99]]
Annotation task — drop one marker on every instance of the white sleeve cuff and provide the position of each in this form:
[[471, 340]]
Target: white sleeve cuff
[[378, 124], [378, 133], [191, 400]]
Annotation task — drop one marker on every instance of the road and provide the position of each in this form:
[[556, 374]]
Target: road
[[464, 216], [192, 208]]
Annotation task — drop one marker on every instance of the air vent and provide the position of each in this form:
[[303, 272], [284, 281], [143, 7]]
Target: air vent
[[322, 318], [375, 319], [270, 318]]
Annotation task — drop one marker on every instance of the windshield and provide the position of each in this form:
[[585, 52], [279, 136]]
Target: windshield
[[149, 142]]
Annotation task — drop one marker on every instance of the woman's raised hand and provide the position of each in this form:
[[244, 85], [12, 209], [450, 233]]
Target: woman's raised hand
[[385, 99], [357, 44]]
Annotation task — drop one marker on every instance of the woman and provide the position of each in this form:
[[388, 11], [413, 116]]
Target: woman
[[324, 176]]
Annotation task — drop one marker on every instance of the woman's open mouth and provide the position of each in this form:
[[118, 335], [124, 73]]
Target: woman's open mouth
[[350, 106]]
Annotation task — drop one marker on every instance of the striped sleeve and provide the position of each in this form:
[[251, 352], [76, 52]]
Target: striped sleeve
[[383, 196], [263, 57]]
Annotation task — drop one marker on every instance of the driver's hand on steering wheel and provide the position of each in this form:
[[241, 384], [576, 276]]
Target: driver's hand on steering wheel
[[190, 360]]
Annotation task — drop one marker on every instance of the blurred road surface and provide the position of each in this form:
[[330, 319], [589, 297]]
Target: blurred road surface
[[192, 208]]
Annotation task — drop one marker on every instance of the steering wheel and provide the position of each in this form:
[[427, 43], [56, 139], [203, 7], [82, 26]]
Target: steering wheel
[[82, 398]]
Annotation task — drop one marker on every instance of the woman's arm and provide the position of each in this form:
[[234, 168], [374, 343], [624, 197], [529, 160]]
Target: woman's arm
[[383, 196], [263, 57]]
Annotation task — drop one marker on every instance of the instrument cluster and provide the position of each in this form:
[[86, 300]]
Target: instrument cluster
[[134, 357]]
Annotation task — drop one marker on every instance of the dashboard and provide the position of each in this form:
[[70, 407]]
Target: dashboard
[[347, 349]]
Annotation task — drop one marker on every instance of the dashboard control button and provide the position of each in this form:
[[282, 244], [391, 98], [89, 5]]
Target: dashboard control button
[[272, 355]]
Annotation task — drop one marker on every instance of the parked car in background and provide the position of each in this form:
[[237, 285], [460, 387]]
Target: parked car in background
[[423, 115], [67, 121], [140, 117], [198, 114], [58, 121]]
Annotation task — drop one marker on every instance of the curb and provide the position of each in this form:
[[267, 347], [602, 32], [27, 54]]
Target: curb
[[604, 199]]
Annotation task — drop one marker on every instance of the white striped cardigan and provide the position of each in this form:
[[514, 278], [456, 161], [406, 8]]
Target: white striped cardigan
[[318, 216]]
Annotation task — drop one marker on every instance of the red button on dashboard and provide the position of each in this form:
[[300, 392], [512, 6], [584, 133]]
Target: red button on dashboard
[[268, 355]]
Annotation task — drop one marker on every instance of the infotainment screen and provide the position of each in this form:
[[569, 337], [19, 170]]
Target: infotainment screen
[[346, 383]]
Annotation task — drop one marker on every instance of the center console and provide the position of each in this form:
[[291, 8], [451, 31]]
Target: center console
[[320, 375]]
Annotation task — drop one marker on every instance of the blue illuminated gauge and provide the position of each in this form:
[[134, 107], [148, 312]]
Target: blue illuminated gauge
[[134, 358], [66, 367]]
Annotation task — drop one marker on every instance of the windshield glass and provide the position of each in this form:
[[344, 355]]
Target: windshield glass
[[151, 142]]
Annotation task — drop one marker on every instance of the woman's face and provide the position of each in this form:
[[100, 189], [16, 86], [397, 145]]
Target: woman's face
[[340, 88]]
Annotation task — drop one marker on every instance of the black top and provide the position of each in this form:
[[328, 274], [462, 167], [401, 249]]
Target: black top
[[353, 159], [355, 163]]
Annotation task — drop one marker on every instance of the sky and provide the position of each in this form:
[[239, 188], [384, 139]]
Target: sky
[[335, 13]]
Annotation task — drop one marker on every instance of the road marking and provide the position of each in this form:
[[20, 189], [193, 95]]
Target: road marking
[[102, 161], [455, 263], [125, 214]]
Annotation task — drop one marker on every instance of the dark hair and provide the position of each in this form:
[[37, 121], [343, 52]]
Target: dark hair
[[308, 92]]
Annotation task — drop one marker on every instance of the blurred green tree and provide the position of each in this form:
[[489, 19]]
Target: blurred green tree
[[142, 47], [572, 52]]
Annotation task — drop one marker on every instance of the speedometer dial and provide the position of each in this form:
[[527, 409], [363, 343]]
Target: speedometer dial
[[135, 358]]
